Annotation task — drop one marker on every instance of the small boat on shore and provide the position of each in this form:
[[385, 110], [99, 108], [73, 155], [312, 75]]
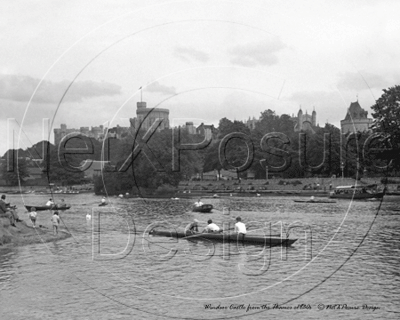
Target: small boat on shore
[[356, 192], [226, 237], [44, 208], [204, 208]]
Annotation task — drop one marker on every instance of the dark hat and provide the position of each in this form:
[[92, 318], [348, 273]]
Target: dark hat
[[238, 219], [209, 221]]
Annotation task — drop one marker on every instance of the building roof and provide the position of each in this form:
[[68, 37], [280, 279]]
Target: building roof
[[356, 112]]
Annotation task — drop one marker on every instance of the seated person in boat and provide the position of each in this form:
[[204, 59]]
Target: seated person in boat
[[240, 227], [63, 204], [198, 203], [211, 227], [50, 203], [193, 227]]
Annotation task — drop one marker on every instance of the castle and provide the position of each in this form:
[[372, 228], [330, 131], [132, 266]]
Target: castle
[[305, 122], [145, 117], [356, 119]]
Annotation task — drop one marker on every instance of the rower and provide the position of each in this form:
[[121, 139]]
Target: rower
[[50, 203], [240, 229], [211, 227], [198, 203], [193, 227]]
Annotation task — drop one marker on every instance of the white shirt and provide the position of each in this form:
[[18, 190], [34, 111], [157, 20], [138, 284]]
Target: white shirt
[[212, 227], [198, 204], [49, 203], [240, 227]]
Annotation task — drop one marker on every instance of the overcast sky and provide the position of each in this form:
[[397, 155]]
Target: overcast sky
[[82, 62]]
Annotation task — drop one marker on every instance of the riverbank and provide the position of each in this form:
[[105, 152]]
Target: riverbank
[[24, 234]]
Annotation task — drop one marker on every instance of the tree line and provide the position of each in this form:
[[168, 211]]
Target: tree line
[[164, 158]]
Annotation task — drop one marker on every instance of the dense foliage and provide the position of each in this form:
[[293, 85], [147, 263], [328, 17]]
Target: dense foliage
[[387, 124]]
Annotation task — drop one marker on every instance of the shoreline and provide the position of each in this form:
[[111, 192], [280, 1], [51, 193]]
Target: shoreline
[[23, 234]]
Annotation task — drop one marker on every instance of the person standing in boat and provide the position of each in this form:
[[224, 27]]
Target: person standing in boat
[[193, 227], [211, 227]]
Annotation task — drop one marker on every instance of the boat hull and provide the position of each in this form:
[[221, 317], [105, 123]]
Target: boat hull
[[44, 208], [315, 201], [226, 237], [357, 196], [205, 208]]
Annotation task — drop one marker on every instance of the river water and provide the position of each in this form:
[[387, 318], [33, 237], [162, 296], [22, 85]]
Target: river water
[[344, 265]]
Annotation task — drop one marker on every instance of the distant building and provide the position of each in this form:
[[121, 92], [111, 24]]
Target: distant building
[[208, 131], [251, 123], [99, 133], [190, 128], [92, 168], [117, 132], [305, 122], [145, 117], [95, 132], [356, 119]]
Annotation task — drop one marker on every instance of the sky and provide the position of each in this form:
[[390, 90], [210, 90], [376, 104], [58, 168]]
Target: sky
[[82, 62]]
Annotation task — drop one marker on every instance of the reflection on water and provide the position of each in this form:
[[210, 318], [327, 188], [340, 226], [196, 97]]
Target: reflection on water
[[345, 253]]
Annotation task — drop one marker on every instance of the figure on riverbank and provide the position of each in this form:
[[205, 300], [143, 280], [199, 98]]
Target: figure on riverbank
[[56, 222], [50, 203], [32, 216], [7, 211]]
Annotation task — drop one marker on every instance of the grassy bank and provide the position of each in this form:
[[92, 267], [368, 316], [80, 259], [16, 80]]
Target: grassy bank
[[24, 233]]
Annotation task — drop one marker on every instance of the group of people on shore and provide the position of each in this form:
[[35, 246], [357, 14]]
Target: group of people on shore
[[240, 227], [55, 219], [10, 212]]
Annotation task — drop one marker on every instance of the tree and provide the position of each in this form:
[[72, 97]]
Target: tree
[[16, 172], [387, 122]]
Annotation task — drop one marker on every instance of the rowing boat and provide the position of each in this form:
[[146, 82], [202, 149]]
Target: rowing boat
[[226, 237], [43, 208], [356, 192], [205, 208], [315, 201]]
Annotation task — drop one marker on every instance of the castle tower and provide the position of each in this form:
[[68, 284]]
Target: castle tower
[[300, 119], [314, 118]]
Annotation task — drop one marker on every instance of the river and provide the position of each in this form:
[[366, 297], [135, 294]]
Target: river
[[344, 265]]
